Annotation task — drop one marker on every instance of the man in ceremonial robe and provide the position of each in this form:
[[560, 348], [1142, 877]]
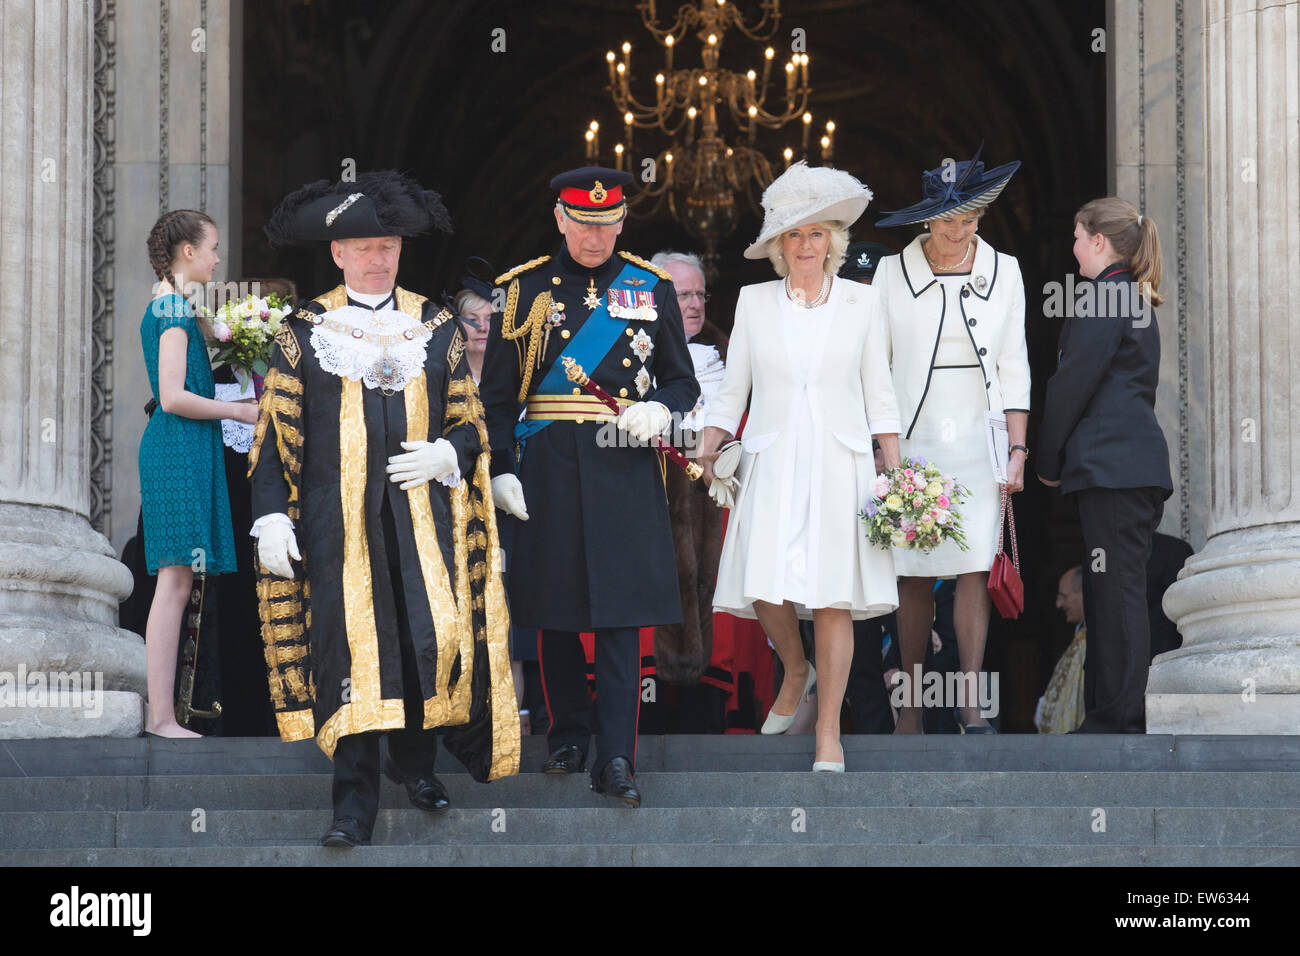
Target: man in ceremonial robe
[[593, 550], [379, 578]]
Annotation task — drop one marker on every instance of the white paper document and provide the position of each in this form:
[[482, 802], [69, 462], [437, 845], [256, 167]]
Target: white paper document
[[998, 444]]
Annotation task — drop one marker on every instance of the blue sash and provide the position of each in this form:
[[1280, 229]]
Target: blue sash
[[588, 348]]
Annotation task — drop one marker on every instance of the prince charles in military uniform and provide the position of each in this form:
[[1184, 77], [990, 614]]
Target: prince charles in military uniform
[[593, 547]]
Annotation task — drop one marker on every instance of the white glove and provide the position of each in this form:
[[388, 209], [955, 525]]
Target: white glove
[[645, 420], [723, 492], [425, 461], [508, 494], [275, 543]]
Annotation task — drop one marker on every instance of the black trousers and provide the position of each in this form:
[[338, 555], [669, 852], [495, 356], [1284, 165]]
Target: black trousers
[[413, 749], [866, 692], [1117, 525], [618, 692]]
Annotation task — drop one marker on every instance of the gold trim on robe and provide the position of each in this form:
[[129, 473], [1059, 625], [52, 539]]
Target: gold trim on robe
[[437, 710], [365, 708]]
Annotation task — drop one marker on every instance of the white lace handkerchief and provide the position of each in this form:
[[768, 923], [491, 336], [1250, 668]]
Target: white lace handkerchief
[[236, 435]]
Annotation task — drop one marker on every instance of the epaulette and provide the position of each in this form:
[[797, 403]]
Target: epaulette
[[638, 261], [443, 315], [288, 343], [530, 264]]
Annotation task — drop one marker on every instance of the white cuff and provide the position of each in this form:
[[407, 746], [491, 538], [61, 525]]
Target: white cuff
[[452, 480], [277, 517], [886, 426]]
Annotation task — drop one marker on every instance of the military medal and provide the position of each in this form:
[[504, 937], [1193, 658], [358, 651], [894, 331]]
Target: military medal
[[642, 382], [592, 301], [630, 304], [554, 318], [641, 345]]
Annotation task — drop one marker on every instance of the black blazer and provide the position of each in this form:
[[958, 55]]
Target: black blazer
[[1099, 427]]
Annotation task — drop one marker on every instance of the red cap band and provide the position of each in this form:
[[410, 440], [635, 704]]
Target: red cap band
[[598, 197]]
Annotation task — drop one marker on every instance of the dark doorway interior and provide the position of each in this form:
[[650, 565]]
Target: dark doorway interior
[[416, 85]]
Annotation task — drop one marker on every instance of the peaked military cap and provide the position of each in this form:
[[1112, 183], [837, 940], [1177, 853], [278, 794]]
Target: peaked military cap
[[593, 194], [861, 259]]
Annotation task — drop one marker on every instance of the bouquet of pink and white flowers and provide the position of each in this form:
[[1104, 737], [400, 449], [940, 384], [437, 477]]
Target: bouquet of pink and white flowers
[[242, 332], [915, 506]]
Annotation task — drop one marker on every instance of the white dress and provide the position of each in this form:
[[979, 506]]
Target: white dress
[[794, 534], [951, 432]]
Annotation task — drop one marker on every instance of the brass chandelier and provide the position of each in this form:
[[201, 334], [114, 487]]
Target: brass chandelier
[[703, 173]]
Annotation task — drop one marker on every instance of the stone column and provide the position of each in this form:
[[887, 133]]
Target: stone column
[[59, 581], [1237, 601], [1157, 162]]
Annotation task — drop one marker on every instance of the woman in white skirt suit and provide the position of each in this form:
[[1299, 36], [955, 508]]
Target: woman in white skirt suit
[[810, 350], [955, 318]]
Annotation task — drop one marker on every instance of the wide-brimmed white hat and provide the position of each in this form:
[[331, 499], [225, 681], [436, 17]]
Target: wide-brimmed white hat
[[806, 194]]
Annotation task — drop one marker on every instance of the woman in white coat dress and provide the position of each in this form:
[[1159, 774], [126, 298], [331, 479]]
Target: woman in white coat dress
[[955, 317], [809, 348]]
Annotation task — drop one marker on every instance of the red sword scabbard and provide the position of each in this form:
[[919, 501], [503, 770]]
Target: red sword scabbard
[[580, 378]]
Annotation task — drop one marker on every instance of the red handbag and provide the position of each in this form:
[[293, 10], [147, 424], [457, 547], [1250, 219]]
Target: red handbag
[[1005, 587]]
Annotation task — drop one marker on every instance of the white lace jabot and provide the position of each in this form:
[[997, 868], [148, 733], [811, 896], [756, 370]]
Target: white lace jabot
[[383, 349]]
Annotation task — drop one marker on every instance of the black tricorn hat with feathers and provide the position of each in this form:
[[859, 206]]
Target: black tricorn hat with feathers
[[381, 203]]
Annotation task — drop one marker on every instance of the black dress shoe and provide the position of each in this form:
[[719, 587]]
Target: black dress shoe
[[617, 780], [565, 759], [426, 793], [346, 832]]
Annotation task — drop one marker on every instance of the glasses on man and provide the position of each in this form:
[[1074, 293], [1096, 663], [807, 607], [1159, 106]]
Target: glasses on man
[[687, 296]]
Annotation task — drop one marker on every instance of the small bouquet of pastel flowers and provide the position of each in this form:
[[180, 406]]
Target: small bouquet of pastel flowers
[[915, 506], [242, 333]]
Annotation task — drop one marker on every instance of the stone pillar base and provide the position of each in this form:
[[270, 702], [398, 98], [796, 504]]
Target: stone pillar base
[[66, 668], [112, 713], [1237, 606], [1223, 714]]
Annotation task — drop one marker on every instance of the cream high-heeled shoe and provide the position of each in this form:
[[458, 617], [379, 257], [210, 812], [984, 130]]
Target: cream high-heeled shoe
[[829, 766], [780, 723]]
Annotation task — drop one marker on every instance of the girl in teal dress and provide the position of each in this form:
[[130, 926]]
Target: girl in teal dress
[[183, 496]]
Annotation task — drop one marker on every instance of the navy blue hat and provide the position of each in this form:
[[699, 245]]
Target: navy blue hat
[[861, 259], [593, 194], [382, 203], [478, 277], [967, 185]]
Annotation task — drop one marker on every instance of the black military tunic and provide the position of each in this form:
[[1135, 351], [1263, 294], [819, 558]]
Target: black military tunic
[[597, 550]]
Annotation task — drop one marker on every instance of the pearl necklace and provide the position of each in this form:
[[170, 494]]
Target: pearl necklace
[[970, 247], [798, 299]]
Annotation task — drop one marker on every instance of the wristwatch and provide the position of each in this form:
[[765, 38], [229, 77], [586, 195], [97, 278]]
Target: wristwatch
[[1021, 448]]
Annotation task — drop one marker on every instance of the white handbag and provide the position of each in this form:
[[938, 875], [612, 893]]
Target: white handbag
[[725, 484]]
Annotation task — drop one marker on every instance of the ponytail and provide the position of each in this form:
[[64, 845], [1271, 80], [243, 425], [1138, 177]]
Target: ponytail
[[1134, 237]]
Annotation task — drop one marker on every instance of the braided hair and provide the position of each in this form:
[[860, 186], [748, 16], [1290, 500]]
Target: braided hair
[[173, 230]]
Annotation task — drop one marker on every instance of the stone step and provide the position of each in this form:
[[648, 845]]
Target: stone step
[[754, 854], [1262, 790], [835, 826], [726, 753]]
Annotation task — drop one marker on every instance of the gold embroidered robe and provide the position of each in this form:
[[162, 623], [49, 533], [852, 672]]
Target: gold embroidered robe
[[330, 634]]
